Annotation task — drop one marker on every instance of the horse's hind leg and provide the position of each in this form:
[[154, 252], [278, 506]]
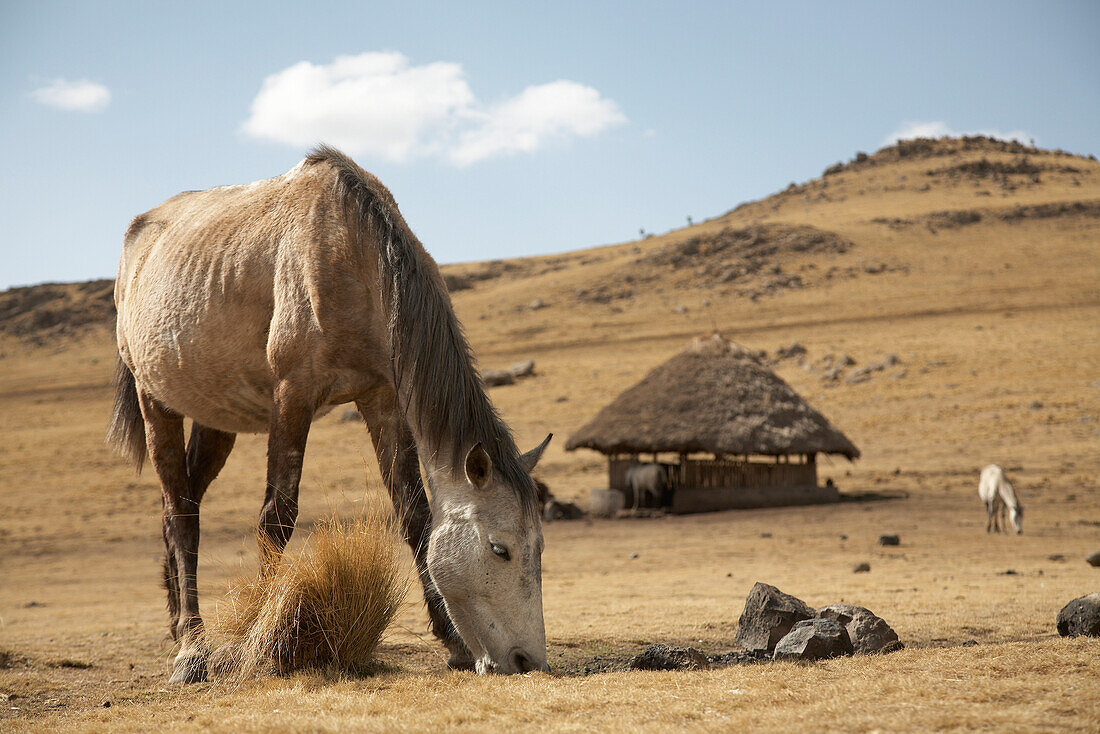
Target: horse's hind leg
[[397, 458], [989, 517], [180, 502], [207, 450]]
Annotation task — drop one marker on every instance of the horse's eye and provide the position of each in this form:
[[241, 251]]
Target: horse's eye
[[501, 551]]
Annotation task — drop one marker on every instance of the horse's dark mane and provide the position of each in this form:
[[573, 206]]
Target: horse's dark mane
[[434, 370]]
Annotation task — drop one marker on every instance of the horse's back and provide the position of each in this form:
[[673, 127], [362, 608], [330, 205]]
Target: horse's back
[[989, 482], [201, 281]]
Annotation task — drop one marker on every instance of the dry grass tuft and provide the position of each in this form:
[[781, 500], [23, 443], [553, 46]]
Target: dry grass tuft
[[326, 607]]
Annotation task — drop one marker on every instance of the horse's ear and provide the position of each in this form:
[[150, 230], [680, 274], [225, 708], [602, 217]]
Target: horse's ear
[[478, 466], [532, 457]]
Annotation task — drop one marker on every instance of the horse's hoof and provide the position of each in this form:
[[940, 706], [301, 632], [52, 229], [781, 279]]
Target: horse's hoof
[[189, 668]]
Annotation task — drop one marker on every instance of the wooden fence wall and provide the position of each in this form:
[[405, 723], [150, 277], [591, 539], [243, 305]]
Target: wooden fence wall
[[721, 473]]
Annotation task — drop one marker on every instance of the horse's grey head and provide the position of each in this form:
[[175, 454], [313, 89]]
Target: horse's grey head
[[1016, 517], [485, 557]]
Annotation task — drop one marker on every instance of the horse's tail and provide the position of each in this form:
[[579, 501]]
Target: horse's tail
[[126, 432]]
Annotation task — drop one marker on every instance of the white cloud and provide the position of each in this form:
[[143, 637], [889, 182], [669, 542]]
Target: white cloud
[[77, 96], [539, 113], [376, 103], [938, 129]]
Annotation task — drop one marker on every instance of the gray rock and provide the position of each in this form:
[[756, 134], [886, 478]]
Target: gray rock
[[558, 510], [536, 304], [493, 378], [1081, 617], [526, 368], [1093, 559], [861, 567], [738, 657], [768, 616], [868, 633], [814, 639], [889, 540], [794, 349], [665, 657]]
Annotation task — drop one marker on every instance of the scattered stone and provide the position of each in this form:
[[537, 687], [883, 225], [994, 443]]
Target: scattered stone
[[1058, 557], [1009, 572], [526, 368], [106, 704], [1035, 405], [792, 350], [739, 657], [768, 616], [889, 540], [680, 309], [1093, 559], [869, 633], [901, 374], [70, 663], [969, 643], [33, 604], [1081, 617], [558, 510], [861, 567], [765, 535], [829, 483], [857, 377], [493, 378], [814, 639], [666, 657], [561, 399], [633, 556]]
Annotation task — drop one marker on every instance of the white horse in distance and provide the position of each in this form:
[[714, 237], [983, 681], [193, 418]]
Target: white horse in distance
[[645, 479], [997, 493]]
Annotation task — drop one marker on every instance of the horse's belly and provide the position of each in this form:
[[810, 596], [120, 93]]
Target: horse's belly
[[209, 364], [228, 392]]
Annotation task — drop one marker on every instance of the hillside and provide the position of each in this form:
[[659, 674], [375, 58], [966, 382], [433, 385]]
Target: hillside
[[945, 295]]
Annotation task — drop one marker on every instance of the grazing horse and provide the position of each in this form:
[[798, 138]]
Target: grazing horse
[[997, 493], [645, 479], [258, 308]]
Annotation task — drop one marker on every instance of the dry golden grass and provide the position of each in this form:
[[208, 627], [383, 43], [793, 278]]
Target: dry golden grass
[[324, 607], [996, 323]]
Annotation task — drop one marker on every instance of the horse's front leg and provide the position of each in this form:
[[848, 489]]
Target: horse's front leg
[[989, 517], [291, 415], [399, 463]]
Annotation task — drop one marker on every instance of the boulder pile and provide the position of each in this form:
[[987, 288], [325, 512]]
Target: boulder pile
[[789, 629]]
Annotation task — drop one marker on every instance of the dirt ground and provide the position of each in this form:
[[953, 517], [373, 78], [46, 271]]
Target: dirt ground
[[995, 323]]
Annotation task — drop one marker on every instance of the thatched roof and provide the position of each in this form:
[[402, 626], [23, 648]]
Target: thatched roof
[[714, 397]]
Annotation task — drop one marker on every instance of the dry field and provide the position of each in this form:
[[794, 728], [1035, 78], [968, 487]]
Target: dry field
[[994, 314]]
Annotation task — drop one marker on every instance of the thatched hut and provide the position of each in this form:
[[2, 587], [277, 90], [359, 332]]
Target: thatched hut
[[740, 435]]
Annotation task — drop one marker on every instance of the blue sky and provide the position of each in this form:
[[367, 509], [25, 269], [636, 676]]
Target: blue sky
[[505, 128]]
